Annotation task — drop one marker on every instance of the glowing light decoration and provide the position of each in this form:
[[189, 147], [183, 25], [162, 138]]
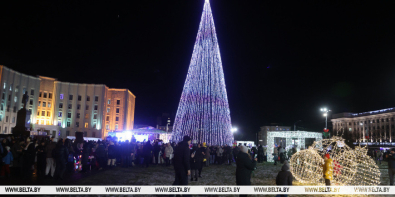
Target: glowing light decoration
[[305, 166], [368, 173], [344, 159], [203, 112]]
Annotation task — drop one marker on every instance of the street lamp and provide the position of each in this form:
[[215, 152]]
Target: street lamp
[[325, 112], [234, 130]]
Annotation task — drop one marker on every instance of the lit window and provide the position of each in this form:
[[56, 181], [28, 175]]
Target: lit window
[[59, 123], [108, 110], [5, 85], [15, 99], [116, 127], [11, 87], [86, 116], [61, 96], [49, 104], [39, 103], [16, 88], [109, 101], [38, 113], [44, 104], [108, 127], [42, 121], [24, 90], [42, 113], [86, 125], [48, 113], [60, 114]]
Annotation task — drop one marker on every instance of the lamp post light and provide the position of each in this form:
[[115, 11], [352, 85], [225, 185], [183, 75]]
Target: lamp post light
[[325, 112], [234, 130]]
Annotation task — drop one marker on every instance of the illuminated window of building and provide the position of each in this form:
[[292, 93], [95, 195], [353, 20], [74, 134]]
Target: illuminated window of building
[[45, 95], [79, 97], [42, 113], [49, 104], [70, 106], [95, 108], [109, 101], [86, 125], [87, 107], [116, 118], [50, 95], [78, 115], [39, 103], [108, 110], [5, 85], [88, 98], [42, 122], [44, 104], [16, 88], [60, 105], [61, 96], [31, 91], [11, 87], [59, 123], [116, 127], [60, 114], [38, 122], [69, 115], [107, 118], [86, 116], [15, 99], [24, 90], [108, 127], [96, 98], [38, 113], [48, 113], [70, 97], [95, 116], [68, 124], [118, 102], [13, 119], [31, 102], [117, 111], [77, 124]]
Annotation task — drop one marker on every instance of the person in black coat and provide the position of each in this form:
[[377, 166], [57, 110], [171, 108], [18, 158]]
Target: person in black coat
[[62, 154], [391, 165], [193, 164], [41, 159], [260, 154], [199, 159], [147, 149], [101, 155], [29, 154], [85, 156], [284, 177], [181, 162], [244, 167], [156, 150]]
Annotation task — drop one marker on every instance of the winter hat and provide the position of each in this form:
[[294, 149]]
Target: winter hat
[[244, 149], [186, 138], [327, 156]]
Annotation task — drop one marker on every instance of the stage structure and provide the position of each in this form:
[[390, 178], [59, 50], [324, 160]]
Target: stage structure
[[290, 138], [203, 112]]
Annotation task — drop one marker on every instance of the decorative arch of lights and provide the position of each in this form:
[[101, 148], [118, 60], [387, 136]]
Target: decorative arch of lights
[[203, 112], [289, 135]]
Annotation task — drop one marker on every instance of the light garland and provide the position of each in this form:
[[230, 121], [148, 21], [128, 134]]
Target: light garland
[[350, 167], [203, 112]]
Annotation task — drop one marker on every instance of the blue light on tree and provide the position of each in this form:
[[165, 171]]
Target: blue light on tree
[[203, 112]]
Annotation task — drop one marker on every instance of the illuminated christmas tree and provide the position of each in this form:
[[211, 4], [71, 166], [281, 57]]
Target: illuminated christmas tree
[[203, 112]]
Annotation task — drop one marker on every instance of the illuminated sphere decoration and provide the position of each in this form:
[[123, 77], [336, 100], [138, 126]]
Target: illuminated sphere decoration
[[344, 159], [203, 112], [305, 166], [367, 173]]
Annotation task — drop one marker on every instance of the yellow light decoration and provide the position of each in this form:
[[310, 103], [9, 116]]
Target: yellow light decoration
[[344, 159], [368, 173], [305, 166]]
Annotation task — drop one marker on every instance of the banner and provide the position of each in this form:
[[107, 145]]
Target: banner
[[209, 190]]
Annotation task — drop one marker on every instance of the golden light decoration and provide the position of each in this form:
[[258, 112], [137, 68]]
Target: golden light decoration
[[344, 159], [350, 167], [367, 173], [305, 166]]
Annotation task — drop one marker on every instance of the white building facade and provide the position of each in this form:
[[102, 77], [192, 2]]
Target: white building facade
[[62, 108]]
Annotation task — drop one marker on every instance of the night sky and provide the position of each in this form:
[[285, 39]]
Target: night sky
[[282, 61]]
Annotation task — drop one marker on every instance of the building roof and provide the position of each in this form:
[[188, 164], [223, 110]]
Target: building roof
[[369, 113]]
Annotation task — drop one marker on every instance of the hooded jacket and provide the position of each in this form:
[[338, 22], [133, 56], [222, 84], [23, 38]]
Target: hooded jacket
[[284, 177], [328, 169], [244, 167]]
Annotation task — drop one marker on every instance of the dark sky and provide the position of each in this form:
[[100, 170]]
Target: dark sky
[[282, 60]]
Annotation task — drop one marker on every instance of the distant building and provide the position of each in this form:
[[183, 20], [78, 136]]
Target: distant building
[[63, 108], [372, 126], [262, 134]]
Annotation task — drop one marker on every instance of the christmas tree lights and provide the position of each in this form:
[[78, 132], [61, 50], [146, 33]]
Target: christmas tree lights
[[203, 112]]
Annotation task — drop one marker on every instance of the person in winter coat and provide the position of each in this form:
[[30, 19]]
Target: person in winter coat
[[133, 152], [62, 155], [328, 170], [236, 151], [199, 159], [147, 151], [213, 152], [260, 154], [70, 159], [193, 164], [244, 167], [7, 159], [50, 161], [41, 157], [284, 177], [282, 154], [101, 155], [391, 165], [28, 158], [275, 155], [182, 166], [125, 149], [111, 155], [220, 152], [156, 150], [16, 151], [86, 151], [168, 152]]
